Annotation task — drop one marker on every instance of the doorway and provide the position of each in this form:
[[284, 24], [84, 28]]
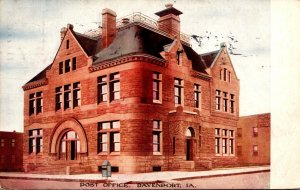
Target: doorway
[[189, 148], [70, 146]]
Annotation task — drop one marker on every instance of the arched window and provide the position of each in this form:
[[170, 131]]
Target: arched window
[[69, 146], [190, 132]]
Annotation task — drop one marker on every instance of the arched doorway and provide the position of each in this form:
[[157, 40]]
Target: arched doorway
[[69, 146], [68, 140], [189, 141]]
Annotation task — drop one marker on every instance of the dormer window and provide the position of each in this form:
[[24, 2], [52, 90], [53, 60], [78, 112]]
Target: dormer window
[[67, 44]]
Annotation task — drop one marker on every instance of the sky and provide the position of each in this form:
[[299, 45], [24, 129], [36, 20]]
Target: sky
[[30, 37]]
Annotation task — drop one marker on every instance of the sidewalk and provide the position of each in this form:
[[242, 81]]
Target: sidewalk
[[140, 177]]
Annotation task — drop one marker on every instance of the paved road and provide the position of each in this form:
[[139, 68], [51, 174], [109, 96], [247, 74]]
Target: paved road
[[244, 181], [250, 181]]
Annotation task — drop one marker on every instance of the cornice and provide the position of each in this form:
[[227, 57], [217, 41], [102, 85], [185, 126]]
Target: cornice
[[200, 75], [35, 84], [125, 59]]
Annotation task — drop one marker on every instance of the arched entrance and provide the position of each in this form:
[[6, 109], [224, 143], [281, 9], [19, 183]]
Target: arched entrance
[[68, 140], [189, 142]]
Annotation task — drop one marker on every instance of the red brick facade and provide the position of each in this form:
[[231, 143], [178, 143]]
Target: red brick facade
[[11, 149], [253, 141], [136, 126]]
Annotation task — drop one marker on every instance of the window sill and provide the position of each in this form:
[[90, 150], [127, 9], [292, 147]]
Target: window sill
[[114, 153], [110, 154], [157, 101], [157, 153]]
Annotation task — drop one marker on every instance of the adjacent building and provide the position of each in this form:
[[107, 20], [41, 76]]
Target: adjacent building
[[135, 93], [11, 151], [253, 139]]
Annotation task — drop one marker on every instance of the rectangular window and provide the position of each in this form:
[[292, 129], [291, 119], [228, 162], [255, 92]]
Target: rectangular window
[[35, 141], [76, 95], [67, 96], [225, 101], [178, 91], [2, 142], [224, 132], [218, 100], [58, 98], [224, 146], [102, 145], [255, 131], [229, 76], [231, 147], [109, 129], [174, 145], [225, 74], [74, 64], [217, 132], [31, 103], [39, 102], [157, 87], [102, 89], [197, 95], [115, 142], [114, 86], [217, 140], [67, 44], [255, 150], [217, 145], [36, 103], [13, 142], [67, 66], [231, 103], [61, 68], [157, 128], [200, 136]]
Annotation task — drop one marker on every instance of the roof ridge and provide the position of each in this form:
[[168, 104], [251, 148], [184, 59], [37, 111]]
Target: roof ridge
[[203, 54], [84, 35]]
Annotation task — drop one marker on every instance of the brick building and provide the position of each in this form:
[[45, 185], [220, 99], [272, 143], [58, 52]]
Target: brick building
[[253, 139], [11, 151], [133, 92]]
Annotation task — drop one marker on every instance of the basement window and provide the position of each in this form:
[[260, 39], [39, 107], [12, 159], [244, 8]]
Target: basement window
[[156, 168]]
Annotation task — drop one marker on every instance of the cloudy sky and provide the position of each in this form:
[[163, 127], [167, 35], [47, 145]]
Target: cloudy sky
[[29, 38]]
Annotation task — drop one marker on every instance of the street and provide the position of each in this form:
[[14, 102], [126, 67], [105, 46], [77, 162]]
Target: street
[[250, 181]]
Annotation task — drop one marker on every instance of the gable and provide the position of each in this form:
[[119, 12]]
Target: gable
[[222, 61], [190, 58]]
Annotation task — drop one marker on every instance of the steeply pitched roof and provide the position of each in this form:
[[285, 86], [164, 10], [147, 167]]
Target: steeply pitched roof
[[87, 43], [137, 39], [209, 57], [41, 75], [132, 40]]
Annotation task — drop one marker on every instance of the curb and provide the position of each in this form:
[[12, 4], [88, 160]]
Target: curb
[[130, 182], [221, 175]]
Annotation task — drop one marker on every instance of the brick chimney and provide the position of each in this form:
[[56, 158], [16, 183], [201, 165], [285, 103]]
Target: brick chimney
[[169, 20], [63, 31], [108, 27]]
